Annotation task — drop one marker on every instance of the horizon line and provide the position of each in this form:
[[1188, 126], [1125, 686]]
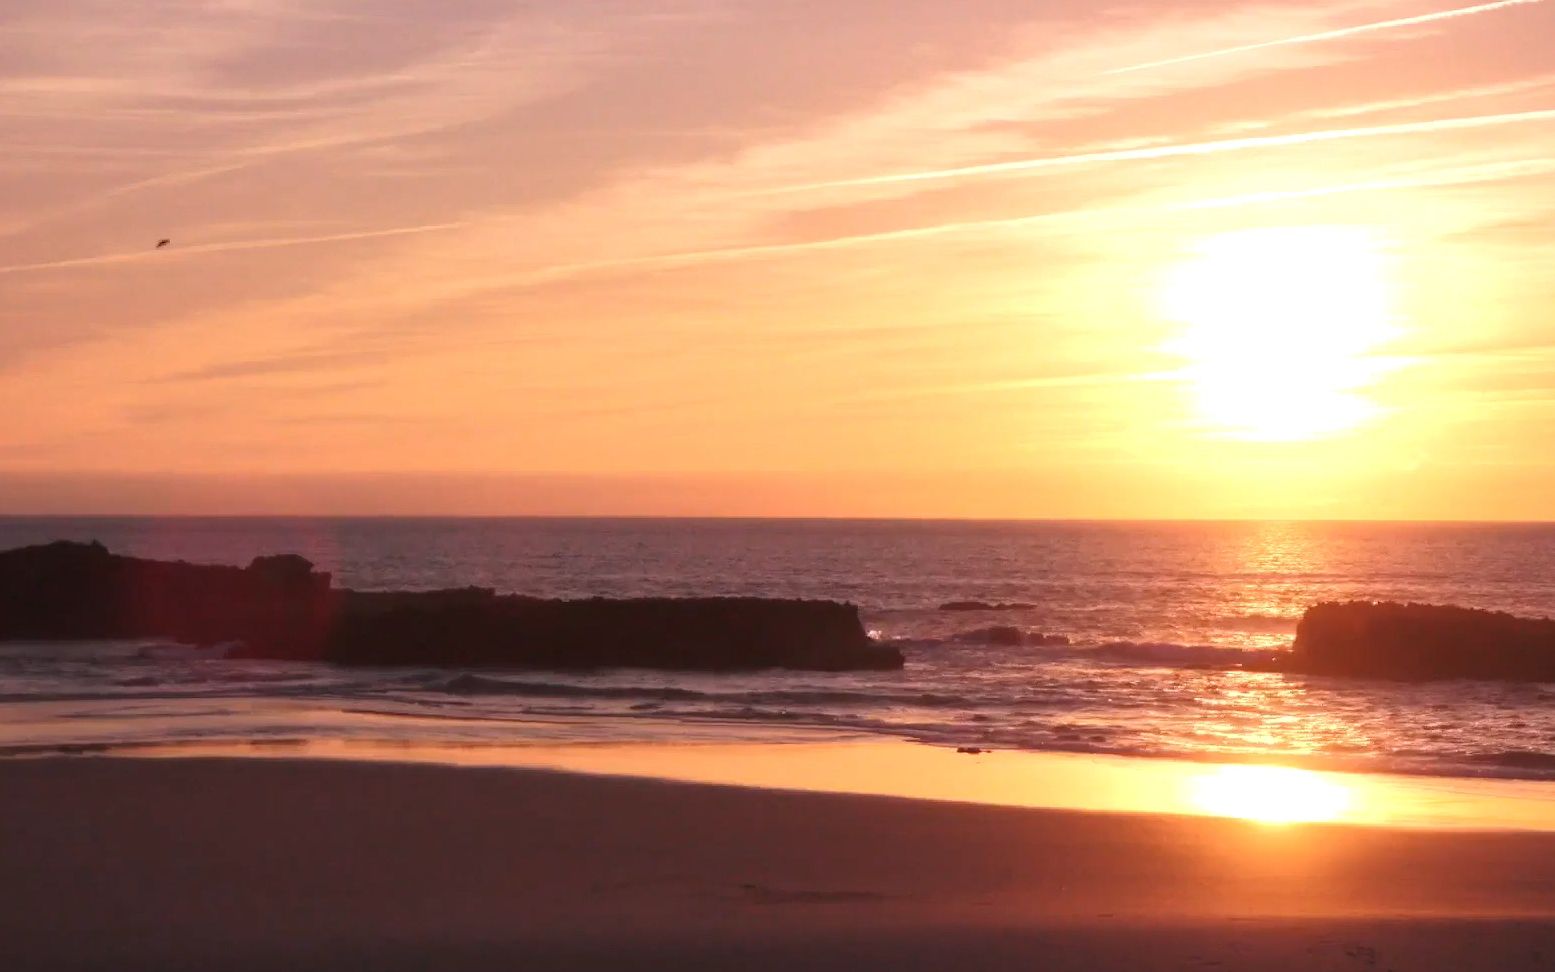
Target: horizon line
[[796, 518]]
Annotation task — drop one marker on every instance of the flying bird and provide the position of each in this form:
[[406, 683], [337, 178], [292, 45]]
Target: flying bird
[[162, 243]]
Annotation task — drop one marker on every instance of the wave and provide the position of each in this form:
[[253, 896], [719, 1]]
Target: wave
[[1150, 654], [987, 606], [1515, 759], [196, 678], [1170, 655], [1260, 623], [469, 684], [180, 652], [1007, 634]]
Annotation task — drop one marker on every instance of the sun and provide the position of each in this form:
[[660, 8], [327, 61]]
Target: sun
[[1269, 794], [1279, 327]]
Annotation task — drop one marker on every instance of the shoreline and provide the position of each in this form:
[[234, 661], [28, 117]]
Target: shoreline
[[34, 730], [879, 767], [241, 863]]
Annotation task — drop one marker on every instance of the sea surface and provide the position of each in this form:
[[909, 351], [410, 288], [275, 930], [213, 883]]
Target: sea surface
[[1160, 618]]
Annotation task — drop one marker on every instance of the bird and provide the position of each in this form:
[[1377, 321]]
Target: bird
[[162, 243]]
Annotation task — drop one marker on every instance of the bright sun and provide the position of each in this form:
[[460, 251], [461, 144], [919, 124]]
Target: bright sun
[[1278, 326], [1269, 794]]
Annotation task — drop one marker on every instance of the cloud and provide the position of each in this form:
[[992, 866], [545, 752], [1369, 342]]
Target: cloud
[[178, 252], [641, 218], [217, 84], [1472, 92], [483, 221], [303, 361], [1457, 176], [1341, 33], [956, 116], [1187, 149]]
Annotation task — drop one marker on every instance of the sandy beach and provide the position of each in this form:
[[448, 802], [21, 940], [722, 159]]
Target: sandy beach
[[249, 864]]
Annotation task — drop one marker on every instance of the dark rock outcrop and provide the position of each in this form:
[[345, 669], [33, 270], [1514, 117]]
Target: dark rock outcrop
[[279, 607], [479, 627], [1008, 634], [65, 591], [1421, 641]]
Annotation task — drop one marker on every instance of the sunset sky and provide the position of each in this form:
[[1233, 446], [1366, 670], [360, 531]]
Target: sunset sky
[[1046, 258]]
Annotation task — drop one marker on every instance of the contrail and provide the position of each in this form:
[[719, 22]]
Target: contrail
[[1181, 149], [270, 244], [541, 276], [1327, 35], [686, 258], [1467, 175]]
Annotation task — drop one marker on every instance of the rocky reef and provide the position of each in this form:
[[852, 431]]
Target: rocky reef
[[1009, 635], [279, 607], [1370, 639]]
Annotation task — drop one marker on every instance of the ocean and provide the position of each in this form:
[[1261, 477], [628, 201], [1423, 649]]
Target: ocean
[[1159, 618]]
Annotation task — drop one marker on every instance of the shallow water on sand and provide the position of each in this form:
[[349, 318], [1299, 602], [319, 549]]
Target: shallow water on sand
[[1273, 796]]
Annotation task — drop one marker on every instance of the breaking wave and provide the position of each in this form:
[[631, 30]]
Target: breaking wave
[[470, 684]]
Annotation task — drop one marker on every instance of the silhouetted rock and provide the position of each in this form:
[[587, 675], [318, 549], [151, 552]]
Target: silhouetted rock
[[477, 627], [288, 571], [279, 607], [986, 606], [80, 590], [998, 634], [1421, 641], [1005, 634]]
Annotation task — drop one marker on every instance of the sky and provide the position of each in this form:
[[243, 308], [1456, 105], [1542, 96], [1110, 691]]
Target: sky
[[1032, 259]]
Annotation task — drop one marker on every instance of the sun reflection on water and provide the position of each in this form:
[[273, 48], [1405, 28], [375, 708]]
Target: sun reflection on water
[[1269, 794]]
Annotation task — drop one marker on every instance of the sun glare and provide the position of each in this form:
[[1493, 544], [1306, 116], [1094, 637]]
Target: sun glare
[[1278, 328], [1269, 794]]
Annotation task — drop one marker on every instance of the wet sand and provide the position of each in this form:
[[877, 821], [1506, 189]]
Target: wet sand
[[201, 863]]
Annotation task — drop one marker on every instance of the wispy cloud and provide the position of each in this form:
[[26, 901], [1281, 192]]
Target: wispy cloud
[[1186, 149], [1437, 178], [469, 210], [1086, 219], [642, 219], [1341, 33], [1092, 219], [1427, 99], [292, 363], [456, 78], [199, 249]]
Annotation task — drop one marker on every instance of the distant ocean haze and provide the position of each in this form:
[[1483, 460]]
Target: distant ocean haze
[[1158, 617]]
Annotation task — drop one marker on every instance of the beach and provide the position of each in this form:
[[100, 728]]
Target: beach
[[1130, 639], [1079, 764], [695, 485], [238, 863]]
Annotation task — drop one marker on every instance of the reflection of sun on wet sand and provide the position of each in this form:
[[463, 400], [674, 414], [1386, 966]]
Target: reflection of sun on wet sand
[[187, 863], [1270, 794]]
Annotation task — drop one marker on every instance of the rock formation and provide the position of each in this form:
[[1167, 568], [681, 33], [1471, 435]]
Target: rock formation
[[1006, 634], [1421, 641], [279, 607]]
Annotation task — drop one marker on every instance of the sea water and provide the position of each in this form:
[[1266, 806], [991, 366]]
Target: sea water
[[1161, 621]]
